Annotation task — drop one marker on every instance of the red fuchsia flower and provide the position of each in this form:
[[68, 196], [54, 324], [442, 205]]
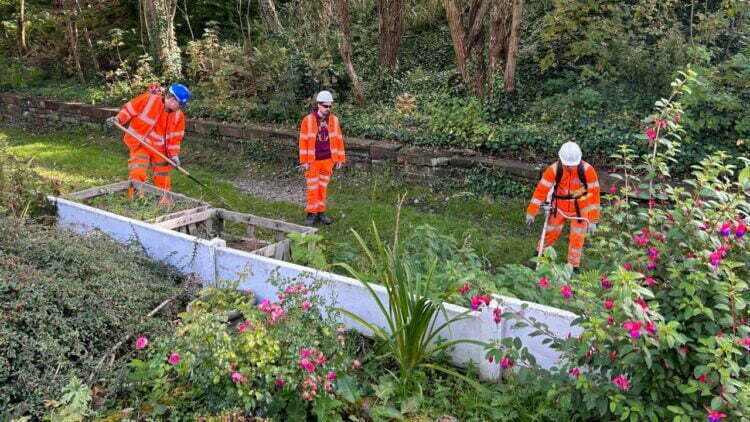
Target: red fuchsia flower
[[490, 359], [651, 203], [723, 250], [238, 378], [281, 297], [276, 315], [608, 304], [660, 123], [702, 379], [497, 315], [478, 300], [306, 365], [633, 327], [574, 372], [464, 289], [612, 190], [651, 134], [543, 283], [650, 281], [265, 306], [606, 283], [306, 353], [141, 343], [247, 325], [566, 291], [746, 342], [740, 230], [653, 252], [715, 416], [279, 382], [651, 266], [715, 258], [174, 358], [331, 375], [651, 328], [725, 229], [320, 360], [641, 240], [356, 364], [306, 395], [506, 363], [621, 382], [642, 303], [719, 335], [670, 218], [306, 305], [677, 118], [611, 320], [626, 266], [613, 355]]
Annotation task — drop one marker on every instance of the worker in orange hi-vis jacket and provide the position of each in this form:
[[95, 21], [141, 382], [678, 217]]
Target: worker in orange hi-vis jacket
[[572, 186], [158, 119], [321, 148]]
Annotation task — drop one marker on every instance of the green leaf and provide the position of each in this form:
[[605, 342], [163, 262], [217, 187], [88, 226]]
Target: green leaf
[[386, 412]]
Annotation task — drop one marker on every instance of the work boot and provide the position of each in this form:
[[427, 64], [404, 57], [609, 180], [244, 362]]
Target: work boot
[[576, 270], [325, 220], [311, 218]]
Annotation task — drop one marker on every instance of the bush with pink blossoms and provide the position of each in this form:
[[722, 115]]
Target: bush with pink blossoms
[[673, 271]]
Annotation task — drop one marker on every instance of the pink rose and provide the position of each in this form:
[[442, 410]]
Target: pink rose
[[174, 358], [306, 305], [141, 343]]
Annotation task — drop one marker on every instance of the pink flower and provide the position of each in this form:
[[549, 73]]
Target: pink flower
[[320, 360], [306, 365], [642, 303], [478, 300], [238, 378], [247, 325], [725, 229], [611, 320], [543, 283], [627, 267], [497, 315], [723, 250], [660, 123], [650, 281], [306, 353], [651, 266], [608, 304], [715, 258], [356, 364], [651, 134], [279, 382], [566, 291], [633, 327], [613, 355], [740, 230], [265, 306], [677, 118], [174, 358], [574, 372], [331, 376], [141, 343], [606, 283], [612, 190], [621, 382], [506, 363], [306, 305], [641, 240], [653, 252], [307, 396], [702, 379], [490, 359], [651, 327], [715, 416], [464, 289], [341, 330], [276, 315]]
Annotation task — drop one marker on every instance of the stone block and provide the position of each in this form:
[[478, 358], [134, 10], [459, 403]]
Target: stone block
[[463, 162], [206, 127], [358, 144], [231, 130], [385, 150]]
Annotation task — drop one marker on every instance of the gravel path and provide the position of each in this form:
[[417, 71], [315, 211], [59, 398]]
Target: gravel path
[[278, 187]]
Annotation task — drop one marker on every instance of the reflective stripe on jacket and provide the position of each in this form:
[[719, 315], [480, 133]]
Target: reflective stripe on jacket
[[147, 115], [570, 185], [308, 133]]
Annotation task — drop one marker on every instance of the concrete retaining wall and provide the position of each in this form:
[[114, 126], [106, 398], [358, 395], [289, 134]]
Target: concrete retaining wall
[[212, 262]]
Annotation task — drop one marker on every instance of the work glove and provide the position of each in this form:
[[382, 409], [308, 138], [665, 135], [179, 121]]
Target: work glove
[[338, 166], [176, 159], [305, 166], [591, 228], [530, 219], [110, 122]]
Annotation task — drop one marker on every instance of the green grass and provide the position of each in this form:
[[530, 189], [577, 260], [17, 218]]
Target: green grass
[[79, 158]]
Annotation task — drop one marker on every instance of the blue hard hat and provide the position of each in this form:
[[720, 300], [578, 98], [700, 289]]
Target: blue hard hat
[[180, 92]]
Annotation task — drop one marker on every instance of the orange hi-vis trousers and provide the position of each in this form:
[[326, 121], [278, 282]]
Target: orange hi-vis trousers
[[317, 177], [140, 159], [575, 239]]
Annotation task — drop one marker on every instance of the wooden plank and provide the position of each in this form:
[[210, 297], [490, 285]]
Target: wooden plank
[[250, 230], [178, 214], [280, 236], [145, 187], [192, 229], [187, 219], [281, 249], [99, 191], [266, 223], [269, 251]]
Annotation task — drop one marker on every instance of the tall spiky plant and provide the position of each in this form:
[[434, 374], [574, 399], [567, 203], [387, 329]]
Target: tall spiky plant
[[411, 313]]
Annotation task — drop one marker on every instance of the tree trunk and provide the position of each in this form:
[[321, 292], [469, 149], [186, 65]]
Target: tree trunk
[[22, 47], [468, 34], [390, 30], [501, 23], [346, 49], [159, 19], [269, 15], [69, 11], [509, 81], [455, 23], [92, 50]]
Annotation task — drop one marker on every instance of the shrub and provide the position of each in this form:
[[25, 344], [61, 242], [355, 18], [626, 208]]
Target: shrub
[[663, 302], [65, 300], [22, 191]]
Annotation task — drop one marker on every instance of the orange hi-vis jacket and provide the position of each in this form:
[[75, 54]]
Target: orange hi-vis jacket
[[569, 191], [163, 131], [309, 131]]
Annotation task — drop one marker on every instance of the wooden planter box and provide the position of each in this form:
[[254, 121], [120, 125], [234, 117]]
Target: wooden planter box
[[247, 232]]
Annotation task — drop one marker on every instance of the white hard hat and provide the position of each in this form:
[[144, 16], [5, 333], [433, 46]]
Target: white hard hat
[[570, 154], [324, 97]]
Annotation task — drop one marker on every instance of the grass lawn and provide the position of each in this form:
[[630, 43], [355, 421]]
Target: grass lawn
[[78, 158]]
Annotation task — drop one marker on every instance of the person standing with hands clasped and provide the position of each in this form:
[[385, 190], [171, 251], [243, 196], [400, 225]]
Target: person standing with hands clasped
[[321, 149]]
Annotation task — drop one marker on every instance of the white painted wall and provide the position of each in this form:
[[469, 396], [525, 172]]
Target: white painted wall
[[211, 261]]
